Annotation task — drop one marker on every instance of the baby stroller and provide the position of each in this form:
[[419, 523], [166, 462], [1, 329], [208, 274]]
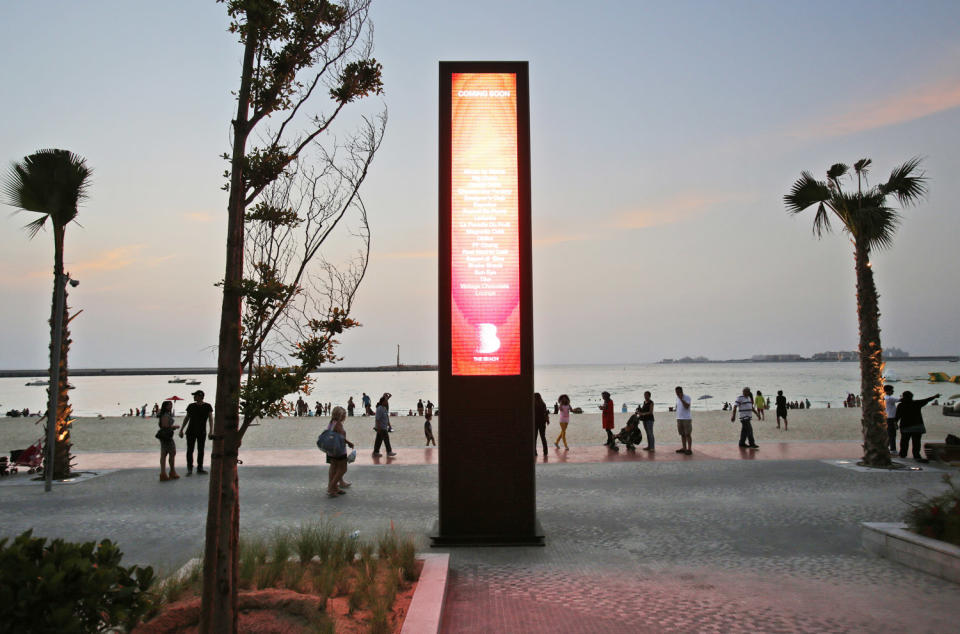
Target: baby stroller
[[631, 436], [31, 458]]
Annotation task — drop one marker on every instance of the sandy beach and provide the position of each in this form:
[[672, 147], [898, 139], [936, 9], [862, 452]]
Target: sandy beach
[[137, 434]]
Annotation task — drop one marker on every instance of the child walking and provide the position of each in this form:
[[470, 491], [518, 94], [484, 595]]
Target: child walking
[[564, 401]]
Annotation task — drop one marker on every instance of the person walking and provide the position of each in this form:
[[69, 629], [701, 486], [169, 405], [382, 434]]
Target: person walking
[[428, 429], [381, 425], [684, 422], [198, 423], [168, 448], [646, 417], [745, 408], [760, 403], [890, 404], [350, 406], [606, 419], [911, 423], [336, 484], [365, 401], [564, 413], [782, 409], [541, 418]]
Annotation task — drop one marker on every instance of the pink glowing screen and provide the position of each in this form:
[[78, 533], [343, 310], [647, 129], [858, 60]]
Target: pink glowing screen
[[485, 259]]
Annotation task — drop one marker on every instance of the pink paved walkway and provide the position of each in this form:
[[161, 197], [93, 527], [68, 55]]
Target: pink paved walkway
[[576, 455]]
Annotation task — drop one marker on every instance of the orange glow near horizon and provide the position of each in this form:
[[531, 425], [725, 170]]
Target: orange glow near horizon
[[485, 211]]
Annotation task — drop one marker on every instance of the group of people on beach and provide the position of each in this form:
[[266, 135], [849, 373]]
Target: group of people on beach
[[744, 408]]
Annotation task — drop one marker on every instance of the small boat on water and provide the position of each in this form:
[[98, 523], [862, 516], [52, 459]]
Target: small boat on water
[[193, 382], [38, 382], [177, 379]]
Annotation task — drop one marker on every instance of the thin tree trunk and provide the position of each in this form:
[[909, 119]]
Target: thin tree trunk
[[218, 612], [58, 371], [874, 421]]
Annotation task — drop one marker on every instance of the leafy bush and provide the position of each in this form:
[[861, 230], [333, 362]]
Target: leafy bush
[[68, 587], [937, 517]]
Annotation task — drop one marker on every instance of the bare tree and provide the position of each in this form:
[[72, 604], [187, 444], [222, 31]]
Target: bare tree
[[293, 52]]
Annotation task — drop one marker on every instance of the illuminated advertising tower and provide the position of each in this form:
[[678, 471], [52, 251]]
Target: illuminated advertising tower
[[486, 463]]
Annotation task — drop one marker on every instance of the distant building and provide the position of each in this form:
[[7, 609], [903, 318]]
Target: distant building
[[895, 353], [777, 357], [842, 355]]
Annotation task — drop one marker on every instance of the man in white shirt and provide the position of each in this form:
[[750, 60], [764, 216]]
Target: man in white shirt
[[890, 401], [744, 405], [684, 422]]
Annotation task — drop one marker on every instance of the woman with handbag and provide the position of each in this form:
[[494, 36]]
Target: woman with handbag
[[168, 448], [338, 463]]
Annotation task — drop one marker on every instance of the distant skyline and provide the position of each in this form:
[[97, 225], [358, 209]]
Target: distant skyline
[[664, 136]]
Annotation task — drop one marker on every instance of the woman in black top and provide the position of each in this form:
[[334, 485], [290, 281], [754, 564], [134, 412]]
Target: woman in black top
[[911, 423], [646, 416], [541, 418]]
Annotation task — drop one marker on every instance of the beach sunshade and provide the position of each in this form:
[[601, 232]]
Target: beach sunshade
[[705, 396], [173, 398]]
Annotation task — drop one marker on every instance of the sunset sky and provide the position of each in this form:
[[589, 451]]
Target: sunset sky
[[664, 136]]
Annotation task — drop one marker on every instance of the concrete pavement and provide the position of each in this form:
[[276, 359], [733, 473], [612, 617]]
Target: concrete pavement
[[631, 546]]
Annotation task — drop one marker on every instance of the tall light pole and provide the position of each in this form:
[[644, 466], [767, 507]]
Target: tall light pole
[[60, 285]]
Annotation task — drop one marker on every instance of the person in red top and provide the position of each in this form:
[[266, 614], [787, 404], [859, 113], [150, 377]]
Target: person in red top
[[607, 418]]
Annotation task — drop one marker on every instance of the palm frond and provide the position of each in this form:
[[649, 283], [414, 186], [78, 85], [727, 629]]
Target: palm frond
[[837, 170], [807, 191], [862, 166], [821, 221], [909, 187], [34, 227], [50, 182]]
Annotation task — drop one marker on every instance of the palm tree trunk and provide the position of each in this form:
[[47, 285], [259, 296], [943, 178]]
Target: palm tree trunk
[[874, 421], [58, 370]]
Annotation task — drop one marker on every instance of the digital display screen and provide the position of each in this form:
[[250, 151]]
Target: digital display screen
[[485, 243]]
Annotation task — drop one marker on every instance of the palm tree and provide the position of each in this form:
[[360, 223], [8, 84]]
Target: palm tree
[[871, 223], [52, 183]]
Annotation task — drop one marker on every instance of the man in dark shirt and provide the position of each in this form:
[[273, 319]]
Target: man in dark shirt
[[198, 420]]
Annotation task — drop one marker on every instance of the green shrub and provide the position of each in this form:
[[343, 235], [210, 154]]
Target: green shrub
[[69, 587], [937, 517]]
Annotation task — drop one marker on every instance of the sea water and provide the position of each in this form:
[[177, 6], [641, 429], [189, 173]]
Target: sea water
[[820, 382]]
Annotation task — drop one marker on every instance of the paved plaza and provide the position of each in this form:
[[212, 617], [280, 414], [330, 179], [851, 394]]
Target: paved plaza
[[701, 545]]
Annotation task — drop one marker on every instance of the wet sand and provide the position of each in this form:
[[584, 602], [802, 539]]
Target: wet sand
[[137, 434]]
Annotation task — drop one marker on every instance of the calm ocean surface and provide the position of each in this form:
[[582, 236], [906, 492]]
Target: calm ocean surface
[[819, 382]]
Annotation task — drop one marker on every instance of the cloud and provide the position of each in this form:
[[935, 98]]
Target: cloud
[[676, 209], [199, 216], [891, 110], [112, 260]]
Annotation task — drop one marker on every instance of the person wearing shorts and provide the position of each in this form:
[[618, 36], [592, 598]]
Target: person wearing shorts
[[782, 409], [684, 422]]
